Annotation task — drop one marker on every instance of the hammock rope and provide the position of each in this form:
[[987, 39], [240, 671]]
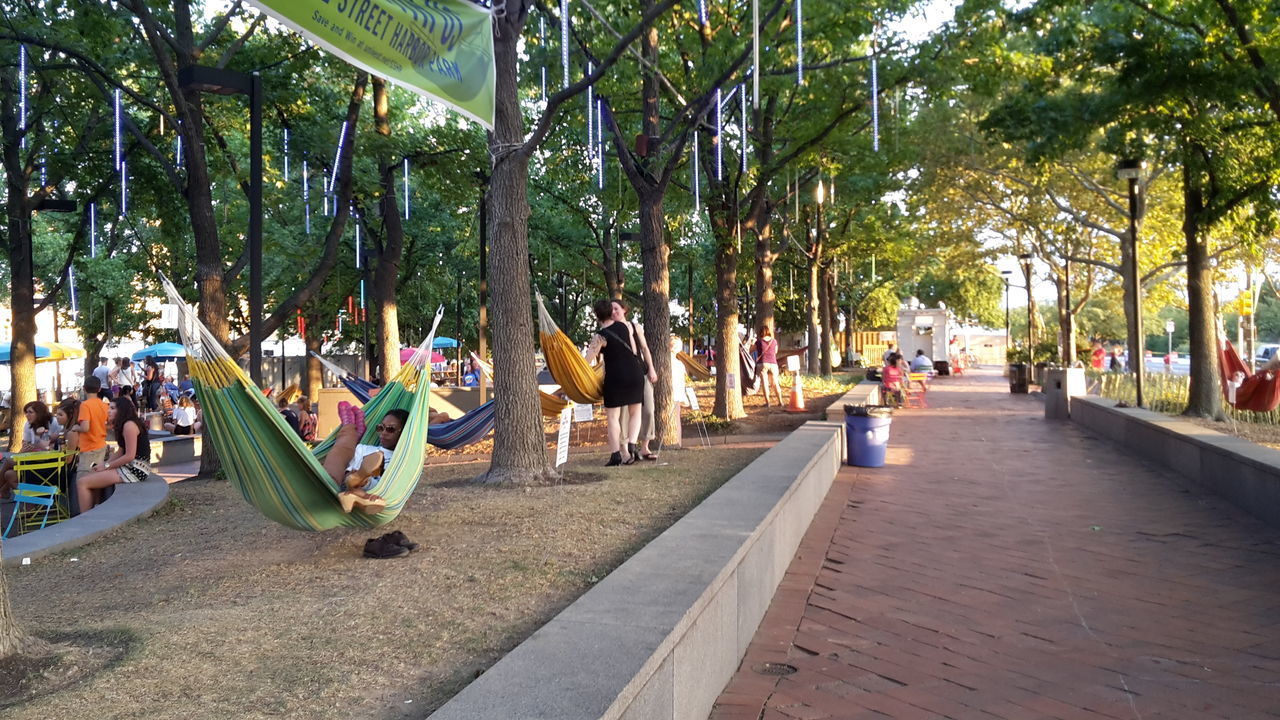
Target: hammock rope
[[471, 427], [579, 381], [266, 461], [552, 405]]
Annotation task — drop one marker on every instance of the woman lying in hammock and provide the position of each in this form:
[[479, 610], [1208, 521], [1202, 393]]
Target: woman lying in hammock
[[358, 467]]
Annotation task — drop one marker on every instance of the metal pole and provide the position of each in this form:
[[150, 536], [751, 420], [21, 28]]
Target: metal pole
[[1137, 366], [255, 229], [1008, 341], [1031, 360], [484, 281]]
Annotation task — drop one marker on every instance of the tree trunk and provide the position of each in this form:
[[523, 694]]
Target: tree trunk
[[387, 271], [1066, 323], [825, 316], [518, 442], [728, 403], [765, 257], [313, 373], [12, 639], [22, 367], [814, 353], [655, 259], [1204, 393]]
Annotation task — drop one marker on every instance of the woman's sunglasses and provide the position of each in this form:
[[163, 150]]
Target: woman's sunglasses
[[386, 428]]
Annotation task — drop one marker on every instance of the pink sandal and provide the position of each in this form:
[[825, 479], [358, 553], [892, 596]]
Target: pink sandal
[[344, 413], [357, 419]]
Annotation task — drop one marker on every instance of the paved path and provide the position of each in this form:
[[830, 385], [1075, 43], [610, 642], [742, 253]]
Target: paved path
[[1003, 566]]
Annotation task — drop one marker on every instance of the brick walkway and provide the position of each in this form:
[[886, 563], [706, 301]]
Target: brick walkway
[[1003, 566]]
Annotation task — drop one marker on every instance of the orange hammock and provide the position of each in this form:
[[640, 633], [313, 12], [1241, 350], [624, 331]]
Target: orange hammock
[[1259, 392]]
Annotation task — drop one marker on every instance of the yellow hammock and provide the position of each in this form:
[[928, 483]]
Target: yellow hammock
[[696, 370], [579, 381], [551, 405]]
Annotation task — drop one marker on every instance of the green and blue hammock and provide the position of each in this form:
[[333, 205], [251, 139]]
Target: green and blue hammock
[[269, 464], [467, 429]]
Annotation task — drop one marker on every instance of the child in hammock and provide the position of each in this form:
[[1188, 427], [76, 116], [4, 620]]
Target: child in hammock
[[358, 467]]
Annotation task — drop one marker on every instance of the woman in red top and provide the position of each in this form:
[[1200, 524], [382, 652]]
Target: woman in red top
[[891, 377], [1099, 356]]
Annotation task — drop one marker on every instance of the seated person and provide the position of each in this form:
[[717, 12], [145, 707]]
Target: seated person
[[357, 467], [66, 415], [921, 362], [184, 417], [131, 462], [892, 378], [290, 415], [41, 432]]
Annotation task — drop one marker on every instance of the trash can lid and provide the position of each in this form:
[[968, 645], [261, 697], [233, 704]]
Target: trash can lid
[[879, 411]]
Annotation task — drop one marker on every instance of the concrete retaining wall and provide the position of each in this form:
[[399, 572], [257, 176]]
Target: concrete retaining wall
[[129, 502], [1246, 474], [661, 636]]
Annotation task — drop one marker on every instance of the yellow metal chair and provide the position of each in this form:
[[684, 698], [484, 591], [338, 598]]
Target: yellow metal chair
[[44, 474]]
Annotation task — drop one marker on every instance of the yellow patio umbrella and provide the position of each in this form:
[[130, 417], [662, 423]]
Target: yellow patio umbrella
[[59, 351]]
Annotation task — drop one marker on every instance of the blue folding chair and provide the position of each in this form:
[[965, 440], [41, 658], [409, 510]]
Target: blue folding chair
[[32, 503]]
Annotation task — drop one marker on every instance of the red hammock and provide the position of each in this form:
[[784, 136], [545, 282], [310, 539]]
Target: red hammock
[[1259, 392]]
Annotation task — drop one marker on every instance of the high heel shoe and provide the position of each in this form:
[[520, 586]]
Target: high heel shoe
[[633, 453], [614, 459]]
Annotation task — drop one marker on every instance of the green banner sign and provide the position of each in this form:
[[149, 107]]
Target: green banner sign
[[440, 48]]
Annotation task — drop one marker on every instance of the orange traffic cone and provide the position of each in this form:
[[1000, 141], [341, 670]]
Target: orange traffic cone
[[796, 403]]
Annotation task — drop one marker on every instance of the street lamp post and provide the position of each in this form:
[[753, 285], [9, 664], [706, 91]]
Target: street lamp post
[[1131, 170], [1008, 341], [1025, 260], [230, 82]]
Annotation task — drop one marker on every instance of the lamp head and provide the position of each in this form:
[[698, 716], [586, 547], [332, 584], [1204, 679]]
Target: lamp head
[[1130, 169]]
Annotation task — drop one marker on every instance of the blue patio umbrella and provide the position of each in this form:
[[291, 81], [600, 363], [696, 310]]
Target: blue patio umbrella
[[162, 351], [443, 342], [5, 348]]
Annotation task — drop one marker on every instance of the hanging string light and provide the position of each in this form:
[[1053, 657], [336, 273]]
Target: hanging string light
[[177, 152], [799, 43], [875, 99], [591, 116], [93, 230], [306, 196], [22, 93], [286, 154], [564, 42], [406, 188], [71, 285], [44, 170], [337, 157], [702, 13], [600, 138], [119, 158], [742, 98], [323, 186], [719, 140], [755, 54], [542, 43], [124, 187], [693, 163]]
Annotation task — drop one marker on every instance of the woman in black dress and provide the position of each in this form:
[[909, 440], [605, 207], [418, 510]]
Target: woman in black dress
[[627, 363]]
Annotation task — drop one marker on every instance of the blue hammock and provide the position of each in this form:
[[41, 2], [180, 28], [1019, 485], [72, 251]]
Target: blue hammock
[[469, 428]]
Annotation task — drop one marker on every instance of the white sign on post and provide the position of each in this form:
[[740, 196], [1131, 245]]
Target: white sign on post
[[692, 397], [793, 363], [731, 381], [583, 412], [562, 441]]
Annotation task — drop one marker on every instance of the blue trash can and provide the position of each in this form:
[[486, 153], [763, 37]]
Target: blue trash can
[[867, 434]]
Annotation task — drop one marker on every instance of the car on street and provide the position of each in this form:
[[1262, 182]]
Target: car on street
[[1264, 353]]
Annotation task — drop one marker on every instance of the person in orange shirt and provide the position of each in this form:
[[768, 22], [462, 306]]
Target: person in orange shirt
[[92, 424]]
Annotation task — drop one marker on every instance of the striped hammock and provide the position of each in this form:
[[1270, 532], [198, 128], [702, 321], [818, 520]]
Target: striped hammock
[[579, 381], [268, 463], [552, 405], [471, 427]]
